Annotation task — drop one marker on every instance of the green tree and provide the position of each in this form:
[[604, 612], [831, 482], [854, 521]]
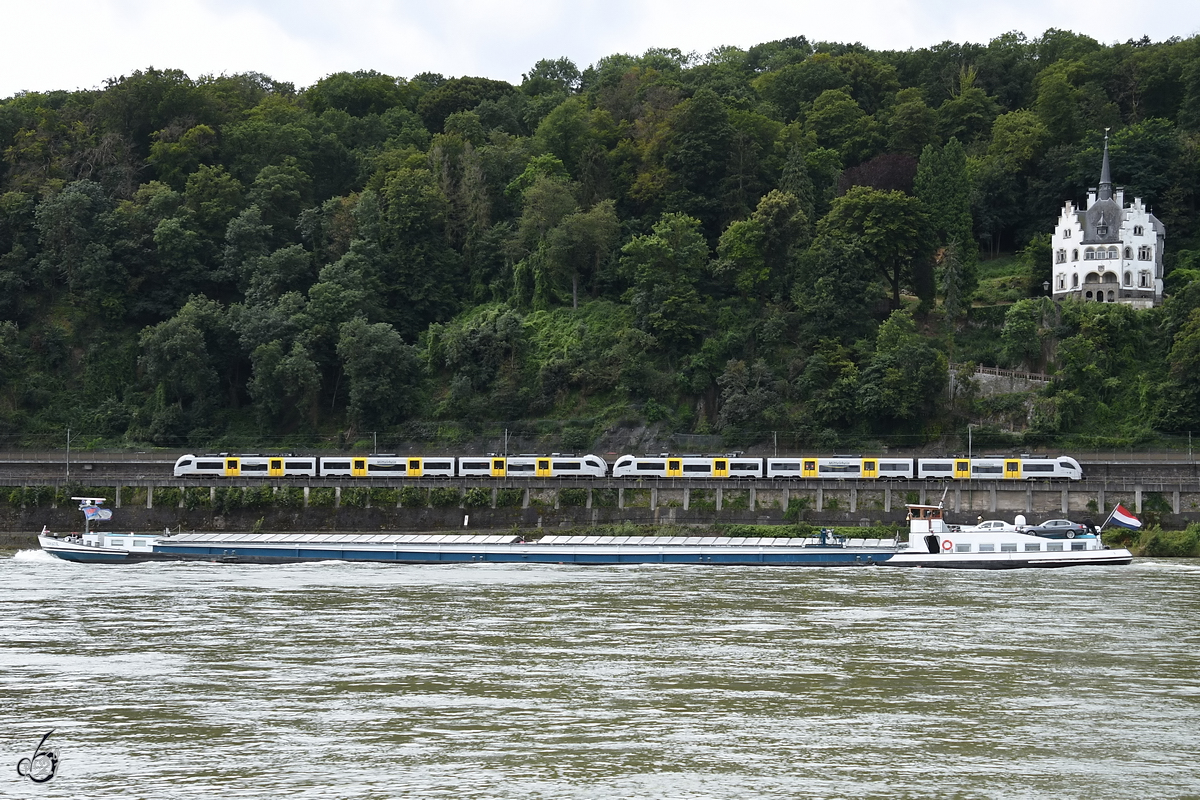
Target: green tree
[[664, 267], [380, 371], [893, 231]]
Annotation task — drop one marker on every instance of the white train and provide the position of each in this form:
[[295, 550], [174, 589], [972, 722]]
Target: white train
[[665, 466], [225, 465], [557, 465]]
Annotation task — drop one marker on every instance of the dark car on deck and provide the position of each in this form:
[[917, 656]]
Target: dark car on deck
[[1057, 529]]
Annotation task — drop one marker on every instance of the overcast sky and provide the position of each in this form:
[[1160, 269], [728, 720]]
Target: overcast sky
[[69, 44]]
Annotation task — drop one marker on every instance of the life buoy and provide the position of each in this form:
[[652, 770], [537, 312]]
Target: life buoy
[[947, 544]]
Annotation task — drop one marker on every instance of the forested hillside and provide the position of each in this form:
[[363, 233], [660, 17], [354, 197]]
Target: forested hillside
[[798, 239]]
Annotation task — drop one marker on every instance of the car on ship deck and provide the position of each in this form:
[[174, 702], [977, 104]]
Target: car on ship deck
[[1057, 529]]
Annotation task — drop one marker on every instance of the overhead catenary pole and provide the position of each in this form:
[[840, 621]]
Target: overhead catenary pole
[[68, 454]]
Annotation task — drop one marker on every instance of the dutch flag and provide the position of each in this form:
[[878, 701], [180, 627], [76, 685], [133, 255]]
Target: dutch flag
[[1123, 519]]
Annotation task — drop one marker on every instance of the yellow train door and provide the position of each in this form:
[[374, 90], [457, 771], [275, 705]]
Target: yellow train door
[[499, 468], [870, 468], [542, 468], [674, 468], [358, 467], [1012, 468], [962, 468], [720, 468], [808, 468], [416, 467], [233, 467], [275, 467]]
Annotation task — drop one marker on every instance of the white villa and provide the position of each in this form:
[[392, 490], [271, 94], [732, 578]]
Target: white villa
[[1111, 252]]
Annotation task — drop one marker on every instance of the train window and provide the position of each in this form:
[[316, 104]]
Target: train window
[[1038, 467], [209, 465], [705, 468], [575, 465], [337, 465], [520, 467], [720, 464], [962, 466], [187, 462], [868, 465], [786, 465], [652, 465], [438, 465], [743, 466], [938, 466], [414, 464], [1066, 465], [893, 467], [1014, 466], [840, 469], [478, 465], [253, 467], [809, 465], [297, 465], [498, 464], [232, 464], [984, 469], [388, 467], [360, 463]]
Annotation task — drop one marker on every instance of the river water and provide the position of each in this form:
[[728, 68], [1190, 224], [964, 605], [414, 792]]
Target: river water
[[341, 680]]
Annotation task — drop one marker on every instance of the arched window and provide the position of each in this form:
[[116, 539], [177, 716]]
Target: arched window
[[1075, 254], [1129, 279], [1110, 296], [1089, 255], [1137, 230], [1114, 252], [1088, 295], [1129, 252], [1060, 257], [1066, 233], [1075, 281]]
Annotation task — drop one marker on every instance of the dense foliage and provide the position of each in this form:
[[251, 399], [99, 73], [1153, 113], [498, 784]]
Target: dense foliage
[[793, 238]]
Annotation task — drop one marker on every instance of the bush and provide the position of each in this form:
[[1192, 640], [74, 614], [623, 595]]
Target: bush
[[196, 497], [167, 496], [1157, 543], [355, 497], [384, 498], [478, 497], [738, 500], [510, 498], [321, 497], [133, 495], [572, 498], [289, 497], [445, 497], [414, 497], [226, 499], [258, 497], [604, 498]]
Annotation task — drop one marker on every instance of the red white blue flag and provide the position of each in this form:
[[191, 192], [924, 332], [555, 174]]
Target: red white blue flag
[[1123, 519]]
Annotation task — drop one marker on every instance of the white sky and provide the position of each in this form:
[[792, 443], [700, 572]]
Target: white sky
[[69, 44]]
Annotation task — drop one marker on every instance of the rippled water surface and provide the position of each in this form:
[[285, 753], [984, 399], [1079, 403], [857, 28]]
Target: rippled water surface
[[486, 681]]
